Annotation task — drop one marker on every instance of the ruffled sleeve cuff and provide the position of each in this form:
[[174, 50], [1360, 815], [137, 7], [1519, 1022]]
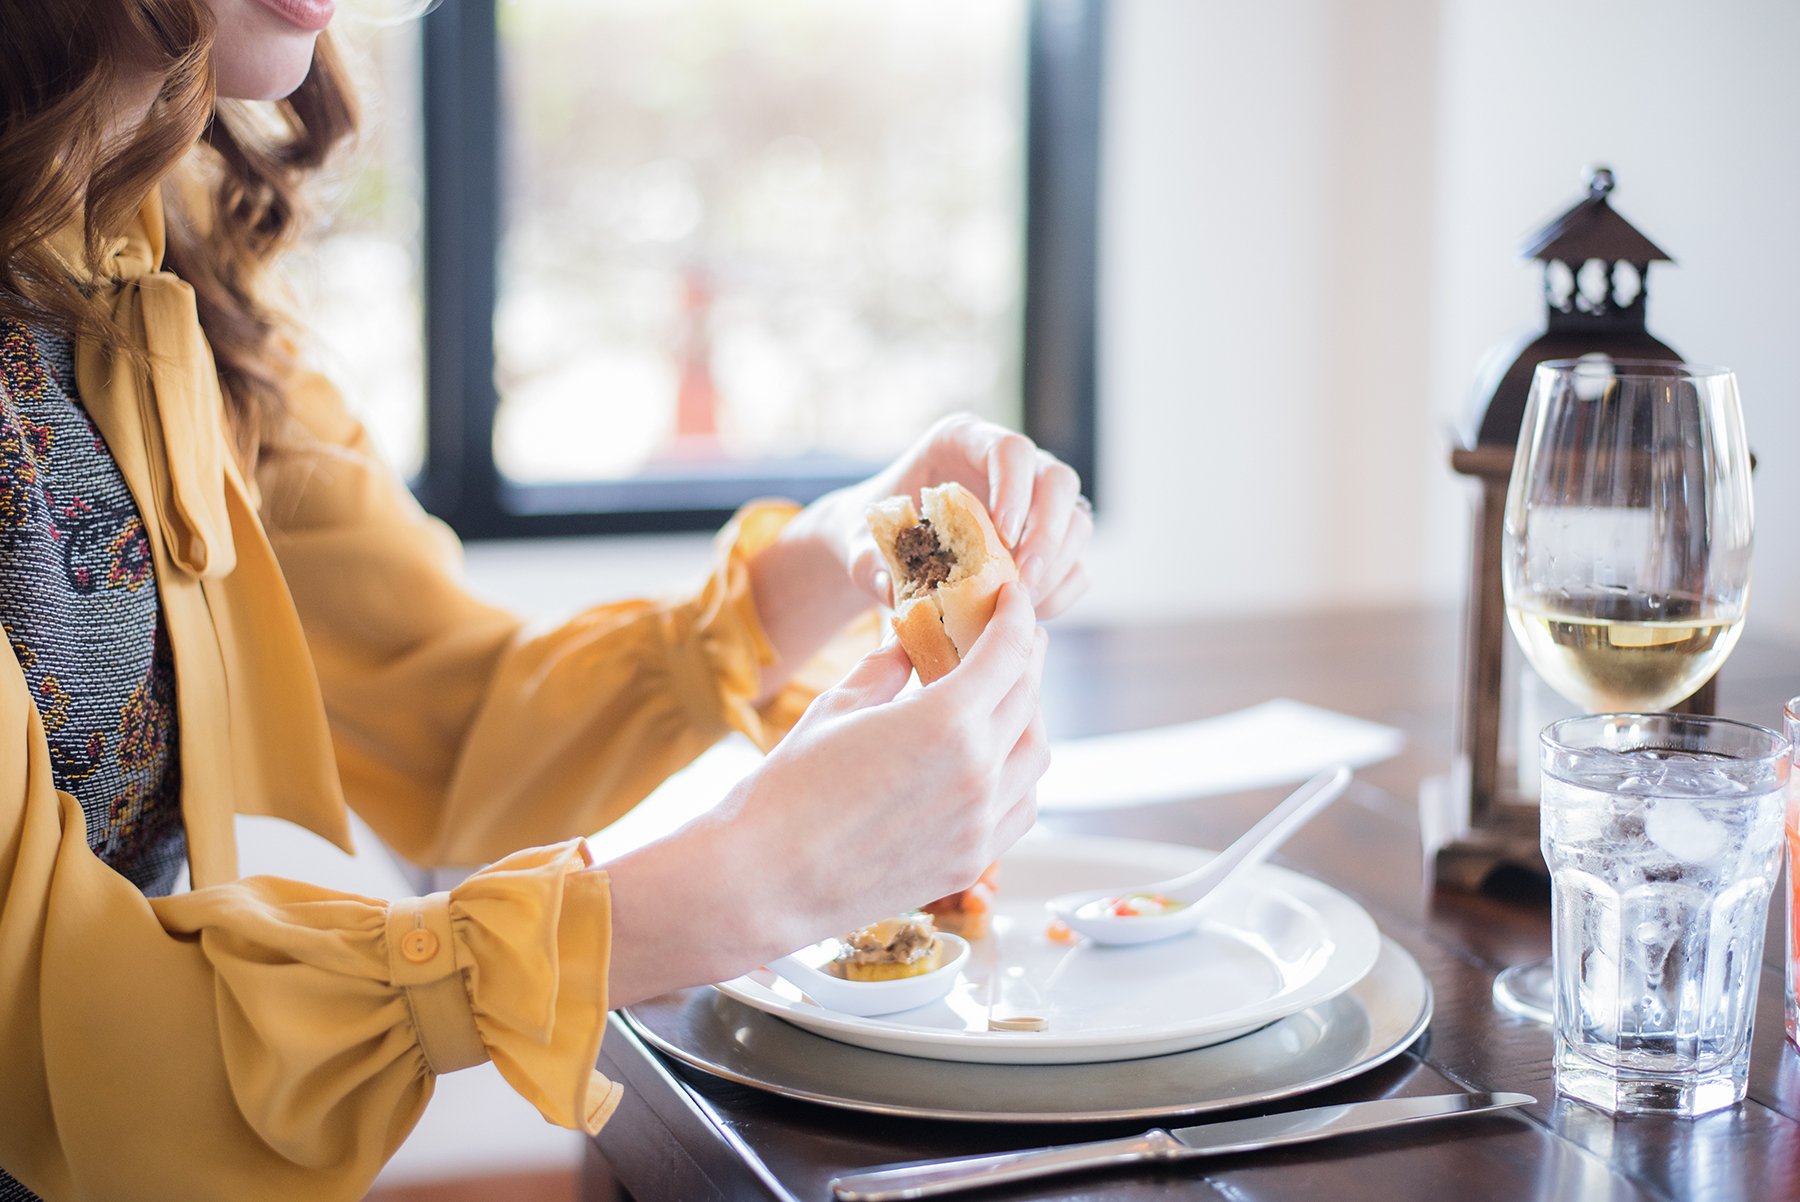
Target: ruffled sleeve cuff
[[531, 936]]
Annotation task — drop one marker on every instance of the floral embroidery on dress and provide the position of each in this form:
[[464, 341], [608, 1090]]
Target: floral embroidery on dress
[[53, 703], [128, 556], [75, 560]]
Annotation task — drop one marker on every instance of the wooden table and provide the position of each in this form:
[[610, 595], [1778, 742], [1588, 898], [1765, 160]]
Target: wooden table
[[682, 1135]]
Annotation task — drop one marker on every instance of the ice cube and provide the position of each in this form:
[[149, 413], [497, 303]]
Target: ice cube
[[1717, 781], [1572, 819], [1679, 828], [1599, 990]]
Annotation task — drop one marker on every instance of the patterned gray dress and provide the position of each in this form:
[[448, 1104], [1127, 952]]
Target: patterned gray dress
[[79, 608]]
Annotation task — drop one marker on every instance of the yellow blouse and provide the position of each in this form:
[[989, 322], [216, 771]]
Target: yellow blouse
[[264, 1038]]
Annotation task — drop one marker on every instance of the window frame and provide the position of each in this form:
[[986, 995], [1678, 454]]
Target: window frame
[[460, 481]]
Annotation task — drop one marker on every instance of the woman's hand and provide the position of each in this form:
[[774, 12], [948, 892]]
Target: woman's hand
[[824, 569], [1034, 498], [874, 804]]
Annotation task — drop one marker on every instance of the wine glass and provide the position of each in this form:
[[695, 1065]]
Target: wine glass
[[1626, 557]]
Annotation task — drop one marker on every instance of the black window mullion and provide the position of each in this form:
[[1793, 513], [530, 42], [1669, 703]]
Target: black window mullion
[[461, 80], [1067, 53]]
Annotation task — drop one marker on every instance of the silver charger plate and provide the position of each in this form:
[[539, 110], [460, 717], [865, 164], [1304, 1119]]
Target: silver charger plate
[[1351, 1033]]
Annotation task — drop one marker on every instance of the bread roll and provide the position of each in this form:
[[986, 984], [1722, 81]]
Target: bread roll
[[947, 566], [938, 620]]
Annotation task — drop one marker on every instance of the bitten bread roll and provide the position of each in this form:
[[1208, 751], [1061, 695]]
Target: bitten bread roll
[[947, 567]]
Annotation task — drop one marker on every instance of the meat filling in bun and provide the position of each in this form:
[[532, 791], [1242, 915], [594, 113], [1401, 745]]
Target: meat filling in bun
[[948, 564]]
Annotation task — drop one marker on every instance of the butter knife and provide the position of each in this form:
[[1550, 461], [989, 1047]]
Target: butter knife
[[929, 1179]]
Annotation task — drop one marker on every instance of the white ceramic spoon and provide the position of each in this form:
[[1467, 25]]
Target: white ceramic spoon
[[1090, 913], [865, 999]]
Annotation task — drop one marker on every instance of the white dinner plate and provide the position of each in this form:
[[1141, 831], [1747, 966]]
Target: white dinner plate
[[1280, 943]]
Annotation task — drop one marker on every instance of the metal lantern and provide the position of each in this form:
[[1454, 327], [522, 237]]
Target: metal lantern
[[1596, 266]]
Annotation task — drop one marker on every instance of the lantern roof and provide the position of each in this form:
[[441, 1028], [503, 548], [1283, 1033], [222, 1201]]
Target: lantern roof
[[1592, 230]]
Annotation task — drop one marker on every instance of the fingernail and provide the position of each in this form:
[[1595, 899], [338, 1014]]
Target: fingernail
[[1030, 570], [1010, 526]]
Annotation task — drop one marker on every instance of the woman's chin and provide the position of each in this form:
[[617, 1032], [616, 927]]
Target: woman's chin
[[269, 75]]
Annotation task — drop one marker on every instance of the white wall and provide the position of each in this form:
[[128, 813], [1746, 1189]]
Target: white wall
[[1264, 387]]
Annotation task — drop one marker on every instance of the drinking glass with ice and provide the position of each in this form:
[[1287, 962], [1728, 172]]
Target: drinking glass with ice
[[1663, 836], [1791, 723]]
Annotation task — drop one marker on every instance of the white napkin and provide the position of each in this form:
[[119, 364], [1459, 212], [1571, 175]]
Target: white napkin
[[1274, 743]]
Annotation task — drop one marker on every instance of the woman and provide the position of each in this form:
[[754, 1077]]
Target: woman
[[216, 600]]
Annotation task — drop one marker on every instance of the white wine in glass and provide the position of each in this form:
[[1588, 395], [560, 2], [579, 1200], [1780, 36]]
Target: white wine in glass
[[1608, 653], [1626, 556]]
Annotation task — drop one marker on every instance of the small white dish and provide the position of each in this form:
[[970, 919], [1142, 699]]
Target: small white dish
[[866, 999]]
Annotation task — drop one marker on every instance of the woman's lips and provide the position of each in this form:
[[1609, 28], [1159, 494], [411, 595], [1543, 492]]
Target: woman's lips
[[310, 15]]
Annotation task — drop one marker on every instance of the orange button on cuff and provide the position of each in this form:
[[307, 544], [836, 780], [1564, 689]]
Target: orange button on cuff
[[421, 945], [418, 946]]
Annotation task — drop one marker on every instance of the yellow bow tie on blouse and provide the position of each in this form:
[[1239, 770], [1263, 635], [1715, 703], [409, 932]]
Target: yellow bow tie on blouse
[[253, 726], [178, 397]]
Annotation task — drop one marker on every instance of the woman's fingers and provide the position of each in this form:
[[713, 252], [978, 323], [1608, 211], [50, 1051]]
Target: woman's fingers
[[1066, 593], [1049, 592], [1017, 820], [1011, 464], [876, 679], [1019, 708], [1050, 536], [1053, 497], [1026, 762], [1000, 656], [869, 572]]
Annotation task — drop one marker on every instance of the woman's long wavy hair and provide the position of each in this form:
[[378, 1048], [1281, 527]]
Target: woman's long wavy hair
[[231, 174]]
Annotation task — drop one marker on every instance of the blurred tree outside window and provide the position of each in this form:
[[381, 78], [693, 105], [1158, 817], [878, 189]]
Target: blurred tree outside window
[[672, 254], [737, 229]]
